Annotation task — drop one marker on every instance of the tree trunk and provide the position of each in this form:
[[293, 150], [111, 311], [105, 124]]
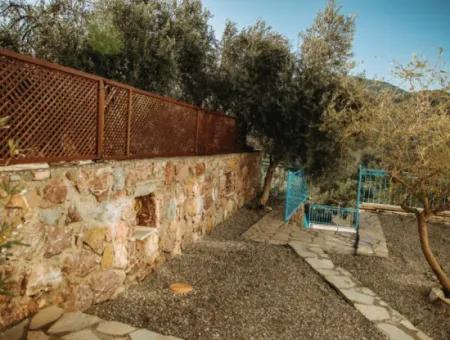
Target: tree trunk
[[267, 183], [429, 256]]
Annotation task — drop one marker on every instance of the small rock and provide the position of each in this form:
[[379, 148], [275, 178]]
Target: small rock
[[46, 316], [37, 335], [436, 294], [16, 332], [180, 288], [72, 322], [115, 328], [85, 334]]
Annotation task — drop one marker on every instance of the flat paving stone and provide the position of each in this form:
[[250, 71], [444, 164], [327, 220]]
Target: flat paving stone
[[301, 249], [37, 335], [393, 332], [340, 281], [72, 322], [373, 313], [357, 297], [85, 334], [145, 334], [114, 328], [16, 332], [320, 263], [45, 317]]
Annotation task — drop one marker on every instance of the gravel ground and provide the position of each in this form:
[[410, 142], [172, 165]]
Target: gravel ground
[[242, 290], [404, 279]]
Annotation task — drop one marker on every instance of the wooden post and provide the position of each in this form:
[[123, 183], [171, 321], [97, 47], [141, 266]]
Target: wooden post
[[130, 93], [101, 118]]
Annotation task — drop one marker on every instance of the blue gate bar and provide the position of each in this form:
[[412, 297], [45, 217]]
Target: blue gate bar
[[296, 192]]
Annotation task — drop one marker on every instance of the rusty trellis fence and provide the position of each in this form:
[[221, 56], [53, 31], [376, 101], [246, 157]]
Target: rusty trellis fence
[[56, 113]]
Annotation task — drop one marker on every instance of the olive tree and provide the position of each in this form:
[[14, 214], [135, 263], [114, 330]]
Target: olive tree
[[256, 83], [410, 136]]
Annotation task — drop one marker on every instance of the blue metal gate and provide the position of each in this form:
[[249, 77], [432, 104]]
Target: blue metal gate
[[375, 186], [319, 215], [296, 192]]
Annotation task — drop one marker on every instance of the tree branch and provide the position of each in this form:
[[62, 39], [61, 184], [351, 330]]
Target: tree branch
[[409, 209]]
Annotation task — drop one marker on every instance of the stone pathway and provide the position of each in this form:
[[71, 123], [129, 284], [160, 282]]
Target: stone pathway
[[371, 236], [394, 325], [53, 323], [272, 229]]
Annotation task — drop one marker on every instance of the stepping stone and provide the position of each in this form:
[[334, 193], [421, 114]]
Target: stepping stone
[[46, 316], [85, 334], [393, 332], [37, 335], [320, 263], [301, 249], [144, 334], [16, 332], [327, 272], [72, 322], [115, 328], [357, 297], [373, 313], [340, 282]]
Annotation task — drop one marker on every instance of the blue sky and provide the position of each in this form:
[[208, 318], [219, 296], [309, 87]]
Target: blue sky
[[387, 31]]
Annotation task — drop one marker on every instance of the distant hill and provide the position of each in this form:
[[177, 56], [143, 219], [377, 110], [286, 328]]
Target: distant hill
[[380, 85]]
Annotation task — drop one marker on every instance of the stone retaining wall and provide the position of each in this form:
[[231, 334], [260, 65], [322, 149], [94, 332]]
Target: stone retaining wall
[[81, 223]]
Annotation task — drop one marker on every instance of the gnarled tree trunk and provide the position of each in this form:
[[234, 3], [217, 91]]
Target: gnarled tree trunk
[[422, 221], [267, 183]]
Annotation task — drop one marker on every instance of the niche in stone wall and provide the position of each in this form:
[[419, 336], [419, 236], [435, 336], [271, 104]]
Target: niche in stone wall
[[145, 207]]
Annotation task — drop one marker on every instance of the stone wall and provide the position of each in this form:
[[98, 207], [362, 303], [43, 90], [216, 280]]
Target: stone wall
[[80, 223]]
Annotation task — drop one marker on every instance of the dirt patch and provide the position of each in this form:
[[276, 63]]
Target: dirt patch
[[242, 290], [404, 279]]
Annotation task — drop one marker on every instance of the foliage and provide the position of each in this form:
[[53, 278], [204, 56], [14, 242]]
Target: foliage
[[409, 135], [324, 63], [256, 68], [162, 46], [256, 74]]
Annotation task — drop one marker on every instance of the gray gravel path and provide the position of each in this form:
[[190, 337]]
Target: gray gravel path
[[242, 290]]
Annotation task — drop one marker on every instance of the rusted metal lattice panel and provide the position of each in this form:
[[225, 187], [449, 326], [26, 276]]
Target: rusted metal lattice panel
[[52, 114], [217, 134], [116, 121], [161, 128], [61, 114]]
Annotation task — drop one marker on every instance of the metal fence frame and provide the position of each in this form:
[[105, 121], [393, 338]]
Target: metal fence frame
[[63, 114], [375, 187], [328, 216], [296, 192]]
